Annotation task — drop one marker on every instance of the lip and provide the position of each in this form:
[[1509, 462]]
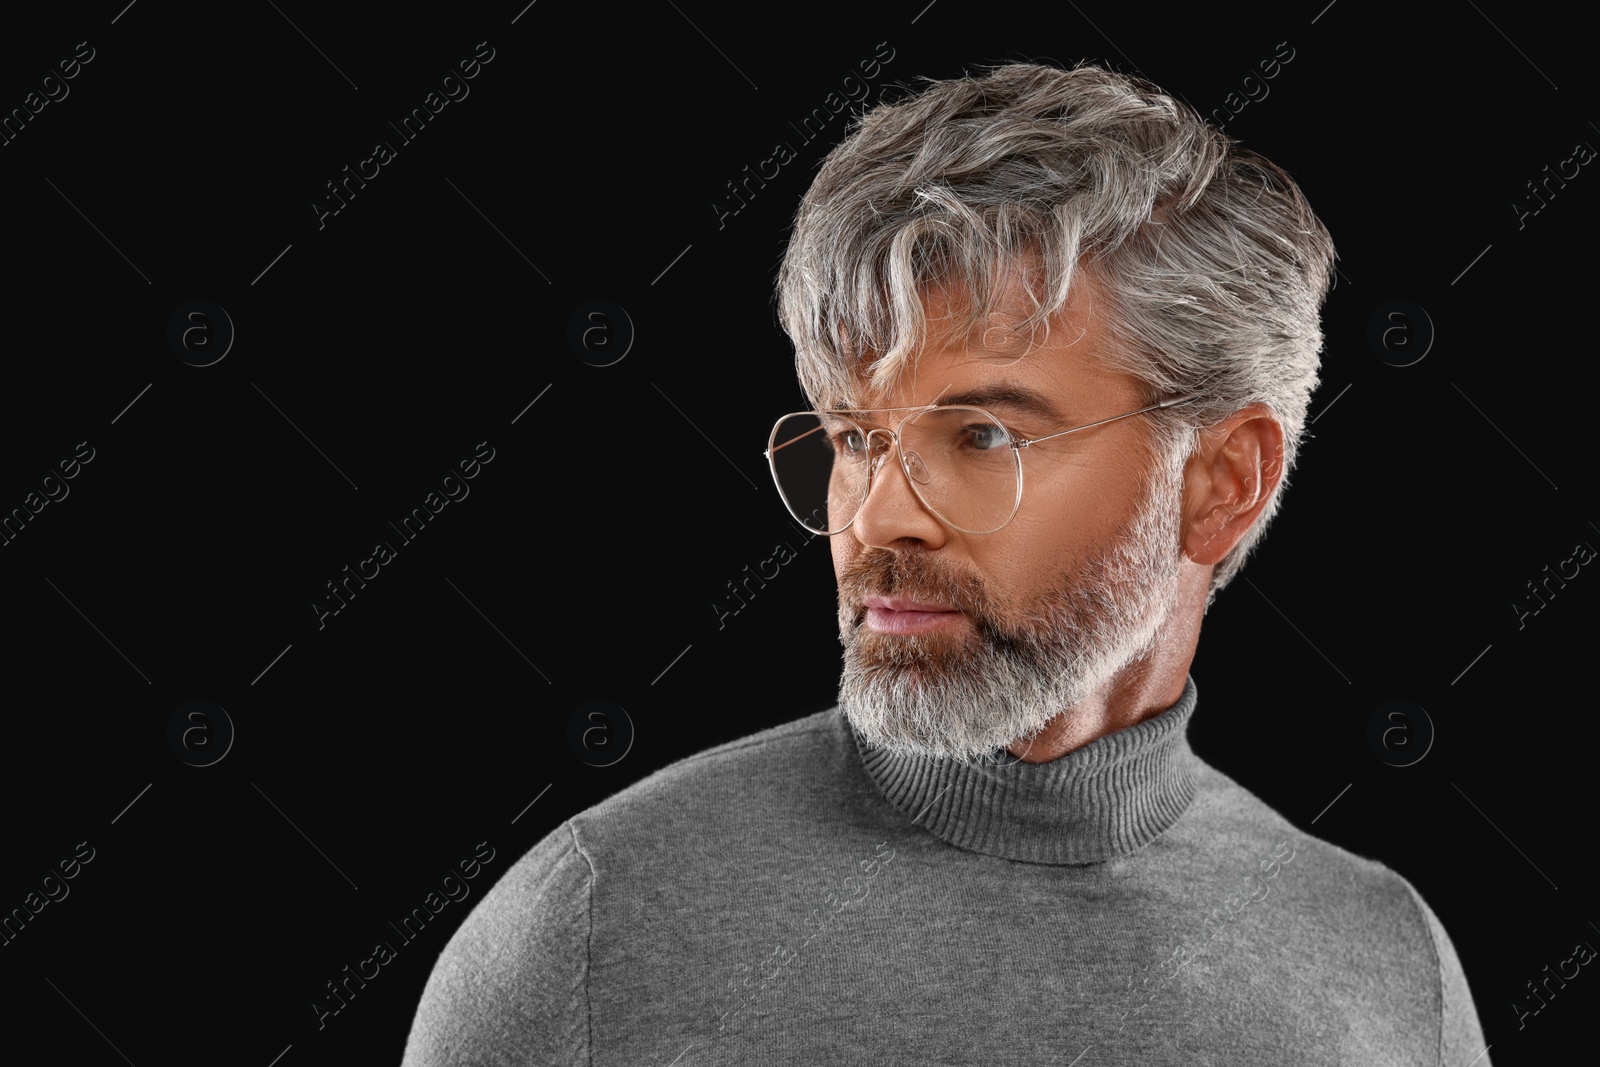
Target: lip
[[898, 615], [895, 603]]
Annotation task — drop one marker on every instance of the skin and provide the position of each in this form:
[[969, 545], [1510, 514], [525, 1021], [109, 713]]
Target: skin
[[1078, 490]]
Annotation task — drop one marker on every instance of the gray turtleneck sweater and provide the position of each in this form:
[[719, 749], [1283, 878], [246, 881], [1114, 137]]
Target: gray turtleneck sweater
[[798, 897]]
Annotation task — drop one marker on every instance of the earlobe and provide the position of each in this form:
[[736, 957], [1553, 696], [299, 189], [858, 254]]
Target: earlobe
[[1232, 476], [1210, 537]]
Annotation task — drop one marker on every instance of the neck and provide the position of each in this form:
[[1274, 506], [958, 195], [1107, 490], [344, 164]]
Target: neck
[[1142, 688], [1108, 798]]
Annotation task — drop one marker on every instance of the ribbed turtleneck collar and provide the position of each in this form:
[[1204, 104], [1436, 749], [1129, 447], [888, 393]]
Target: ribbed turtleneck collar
[[1111, 797]]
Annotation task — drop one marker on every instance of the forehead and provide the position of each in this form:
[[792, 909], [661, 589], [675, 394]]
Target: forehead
[[998, 361]]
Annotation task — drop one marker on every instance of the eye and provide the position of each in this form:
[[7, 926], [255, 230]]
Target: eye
[[985, 436], [852, 441], [844, 437]]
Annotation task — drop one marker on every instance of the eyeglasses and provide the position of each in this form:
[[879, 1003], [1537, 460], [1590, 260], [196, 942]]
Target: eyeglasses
[[960, 461]]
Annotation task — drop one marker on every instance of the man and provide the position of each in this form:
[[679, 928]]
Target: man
[[1060, 337]]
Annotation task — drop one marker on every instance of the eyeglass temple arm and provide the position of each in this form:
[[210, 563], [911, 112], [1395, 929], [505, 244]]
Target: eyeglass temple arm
[[856, 411], [1020, 444], [792, 440], [1114, 418]]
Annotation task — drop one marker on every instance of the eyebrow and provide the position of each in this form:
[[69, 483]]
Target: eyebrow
[[1014, 397]]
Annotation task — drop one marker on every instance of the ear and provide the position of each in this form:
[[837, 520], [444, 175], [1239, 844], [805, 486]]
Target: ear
[[1233, 472]]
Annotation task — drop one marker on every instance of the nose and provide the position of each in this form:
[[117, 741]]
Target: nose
[[892, 513]]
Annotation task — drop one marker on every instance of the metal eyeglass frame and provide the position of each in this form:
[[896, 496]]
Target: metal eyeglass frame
[[1016, 446]]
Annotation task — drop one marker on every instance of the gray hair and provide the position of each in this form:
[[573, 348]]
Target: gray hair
[[1211, 260]]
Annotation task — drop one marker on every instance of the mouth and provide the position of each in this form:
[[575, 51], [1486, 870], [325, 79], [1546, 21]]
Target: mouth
[[901, 615]]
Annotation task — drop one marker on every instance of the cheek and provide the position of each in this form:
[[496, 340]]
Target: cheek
[[1080, 505], [839, 547], [1056, 522], [1022, 560], [1050, 538]]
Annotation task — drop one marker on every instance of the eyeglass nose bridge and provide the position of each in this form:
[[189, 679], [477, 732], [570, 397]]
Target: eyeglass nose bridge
[[911, 463], [877, 452]]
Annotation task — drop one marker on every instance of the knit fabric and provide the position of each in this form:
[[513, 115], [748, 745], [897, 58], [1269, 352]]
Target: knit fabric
[[797, 897]]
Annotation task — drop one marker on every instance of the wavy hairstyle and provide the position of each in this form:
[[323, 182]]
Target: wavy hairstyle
[[1210, 259]]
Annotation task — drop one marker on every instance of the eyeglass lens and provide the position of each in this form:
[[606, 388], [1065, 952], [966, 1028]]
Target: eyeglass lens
[[959, 461]]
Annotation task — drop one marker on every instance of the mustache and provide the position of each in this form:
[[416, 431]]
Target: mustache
[[877, 572]]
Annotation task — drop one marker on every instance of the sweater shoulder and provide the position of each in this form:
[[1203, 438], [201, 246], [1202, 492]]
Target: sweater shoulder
[[801, 738], [1359, 915], [519, 958], [1345, 887], [780, 772], [520, 962], [1228, 812]]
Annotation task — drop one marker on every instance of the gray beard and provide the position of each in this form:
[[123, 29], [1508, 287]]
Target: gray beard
[[921, 695]]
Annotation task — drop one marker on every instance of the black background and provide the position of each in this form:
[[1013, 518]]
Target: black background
[[375, 752]]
